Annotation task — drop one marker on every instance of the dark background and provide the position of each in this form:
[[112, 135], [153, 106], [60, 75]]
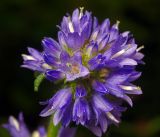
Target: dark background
[[24, 23]]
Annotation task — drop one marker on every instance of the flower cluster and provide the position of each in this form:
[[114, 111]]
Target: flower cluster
[[97, 64], [18, 128]]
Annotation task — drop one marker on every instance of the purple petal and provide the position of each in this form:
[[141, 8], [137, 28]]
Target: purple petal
[[118, 77], [96, 61], [74, 41], [95, 130], [128, 100], [100, 87], [120, 42], [95, 23], [75, 20], [81, 112], [101, 103], [64, 57], [51, 60], [86, 30], [94, 34], [77, 58], [92, 49], [50, 45], [134, 75], [58, 116], [61, 39], [113, 34], [42, 131], [84, 72], [104, 43], [105, 26], [128, 62], [80, 91], [33, 65], [35, 53], [115, 90], [54, 75], [67, 116], [131, 50], [64, 25], [138, 56], [59, 100], [103, 123]]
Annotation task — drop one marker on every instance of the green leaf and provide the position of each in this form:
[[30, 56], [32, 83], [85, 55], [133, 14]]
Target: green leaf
[[38, 81], [52, 130]]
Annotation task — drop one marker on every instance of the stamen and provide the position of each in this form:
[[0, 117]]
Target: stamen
[[94, 35], [121, 52], [35, 134], [75, 69], [130, 87], [104, 73], [15, 123], [112, 117], [46, 66], [118, 53], [140, 48], [27, 57], [70, 25], [117, 24], [68, 64], [81, 12], [59, 27]]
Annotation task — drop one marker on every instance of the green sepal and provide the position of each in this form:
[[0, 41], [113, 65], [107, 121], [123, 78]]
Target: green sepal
[[38, 81]]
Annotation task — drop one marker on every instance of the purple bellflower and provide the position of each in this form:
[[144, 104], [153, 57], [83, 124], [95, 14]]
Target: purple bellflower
[[17, 128], [97, 64]]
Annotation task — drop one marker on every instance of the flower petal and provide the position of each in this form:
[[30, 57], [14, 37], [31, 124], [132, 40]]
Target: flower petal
[[54, 75], [74, 41], [80, 92], [58, 101], [127, 62], [101, 103], [100, 87]]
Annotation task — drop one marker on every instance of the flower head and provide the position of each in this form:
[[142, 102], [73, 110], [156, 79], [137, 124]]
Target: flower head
[[97, 64], [17, 128]]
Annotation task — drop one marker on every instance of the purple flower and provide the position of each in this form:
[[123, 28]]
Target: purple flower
[[81, 110], [75, 30], [97, 64], [17, 128], [72, 67], [34, 61], [59, 104]]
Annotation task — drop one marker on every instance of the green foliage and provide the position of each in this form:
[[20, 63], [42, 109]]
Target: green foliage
[[38, 81], [3, 132], [52, 130]]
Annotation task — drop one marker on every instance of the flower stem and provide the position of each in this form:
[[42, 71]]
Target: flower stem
[[52, 130]]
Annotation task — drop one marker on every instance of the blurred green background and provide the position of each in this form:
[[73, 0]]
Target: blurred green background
[[24, 23]]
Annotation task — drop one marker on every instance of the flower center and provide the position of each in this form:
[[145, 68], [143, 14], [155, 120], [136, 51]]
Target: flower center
[[103, 73], [75, 69]]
